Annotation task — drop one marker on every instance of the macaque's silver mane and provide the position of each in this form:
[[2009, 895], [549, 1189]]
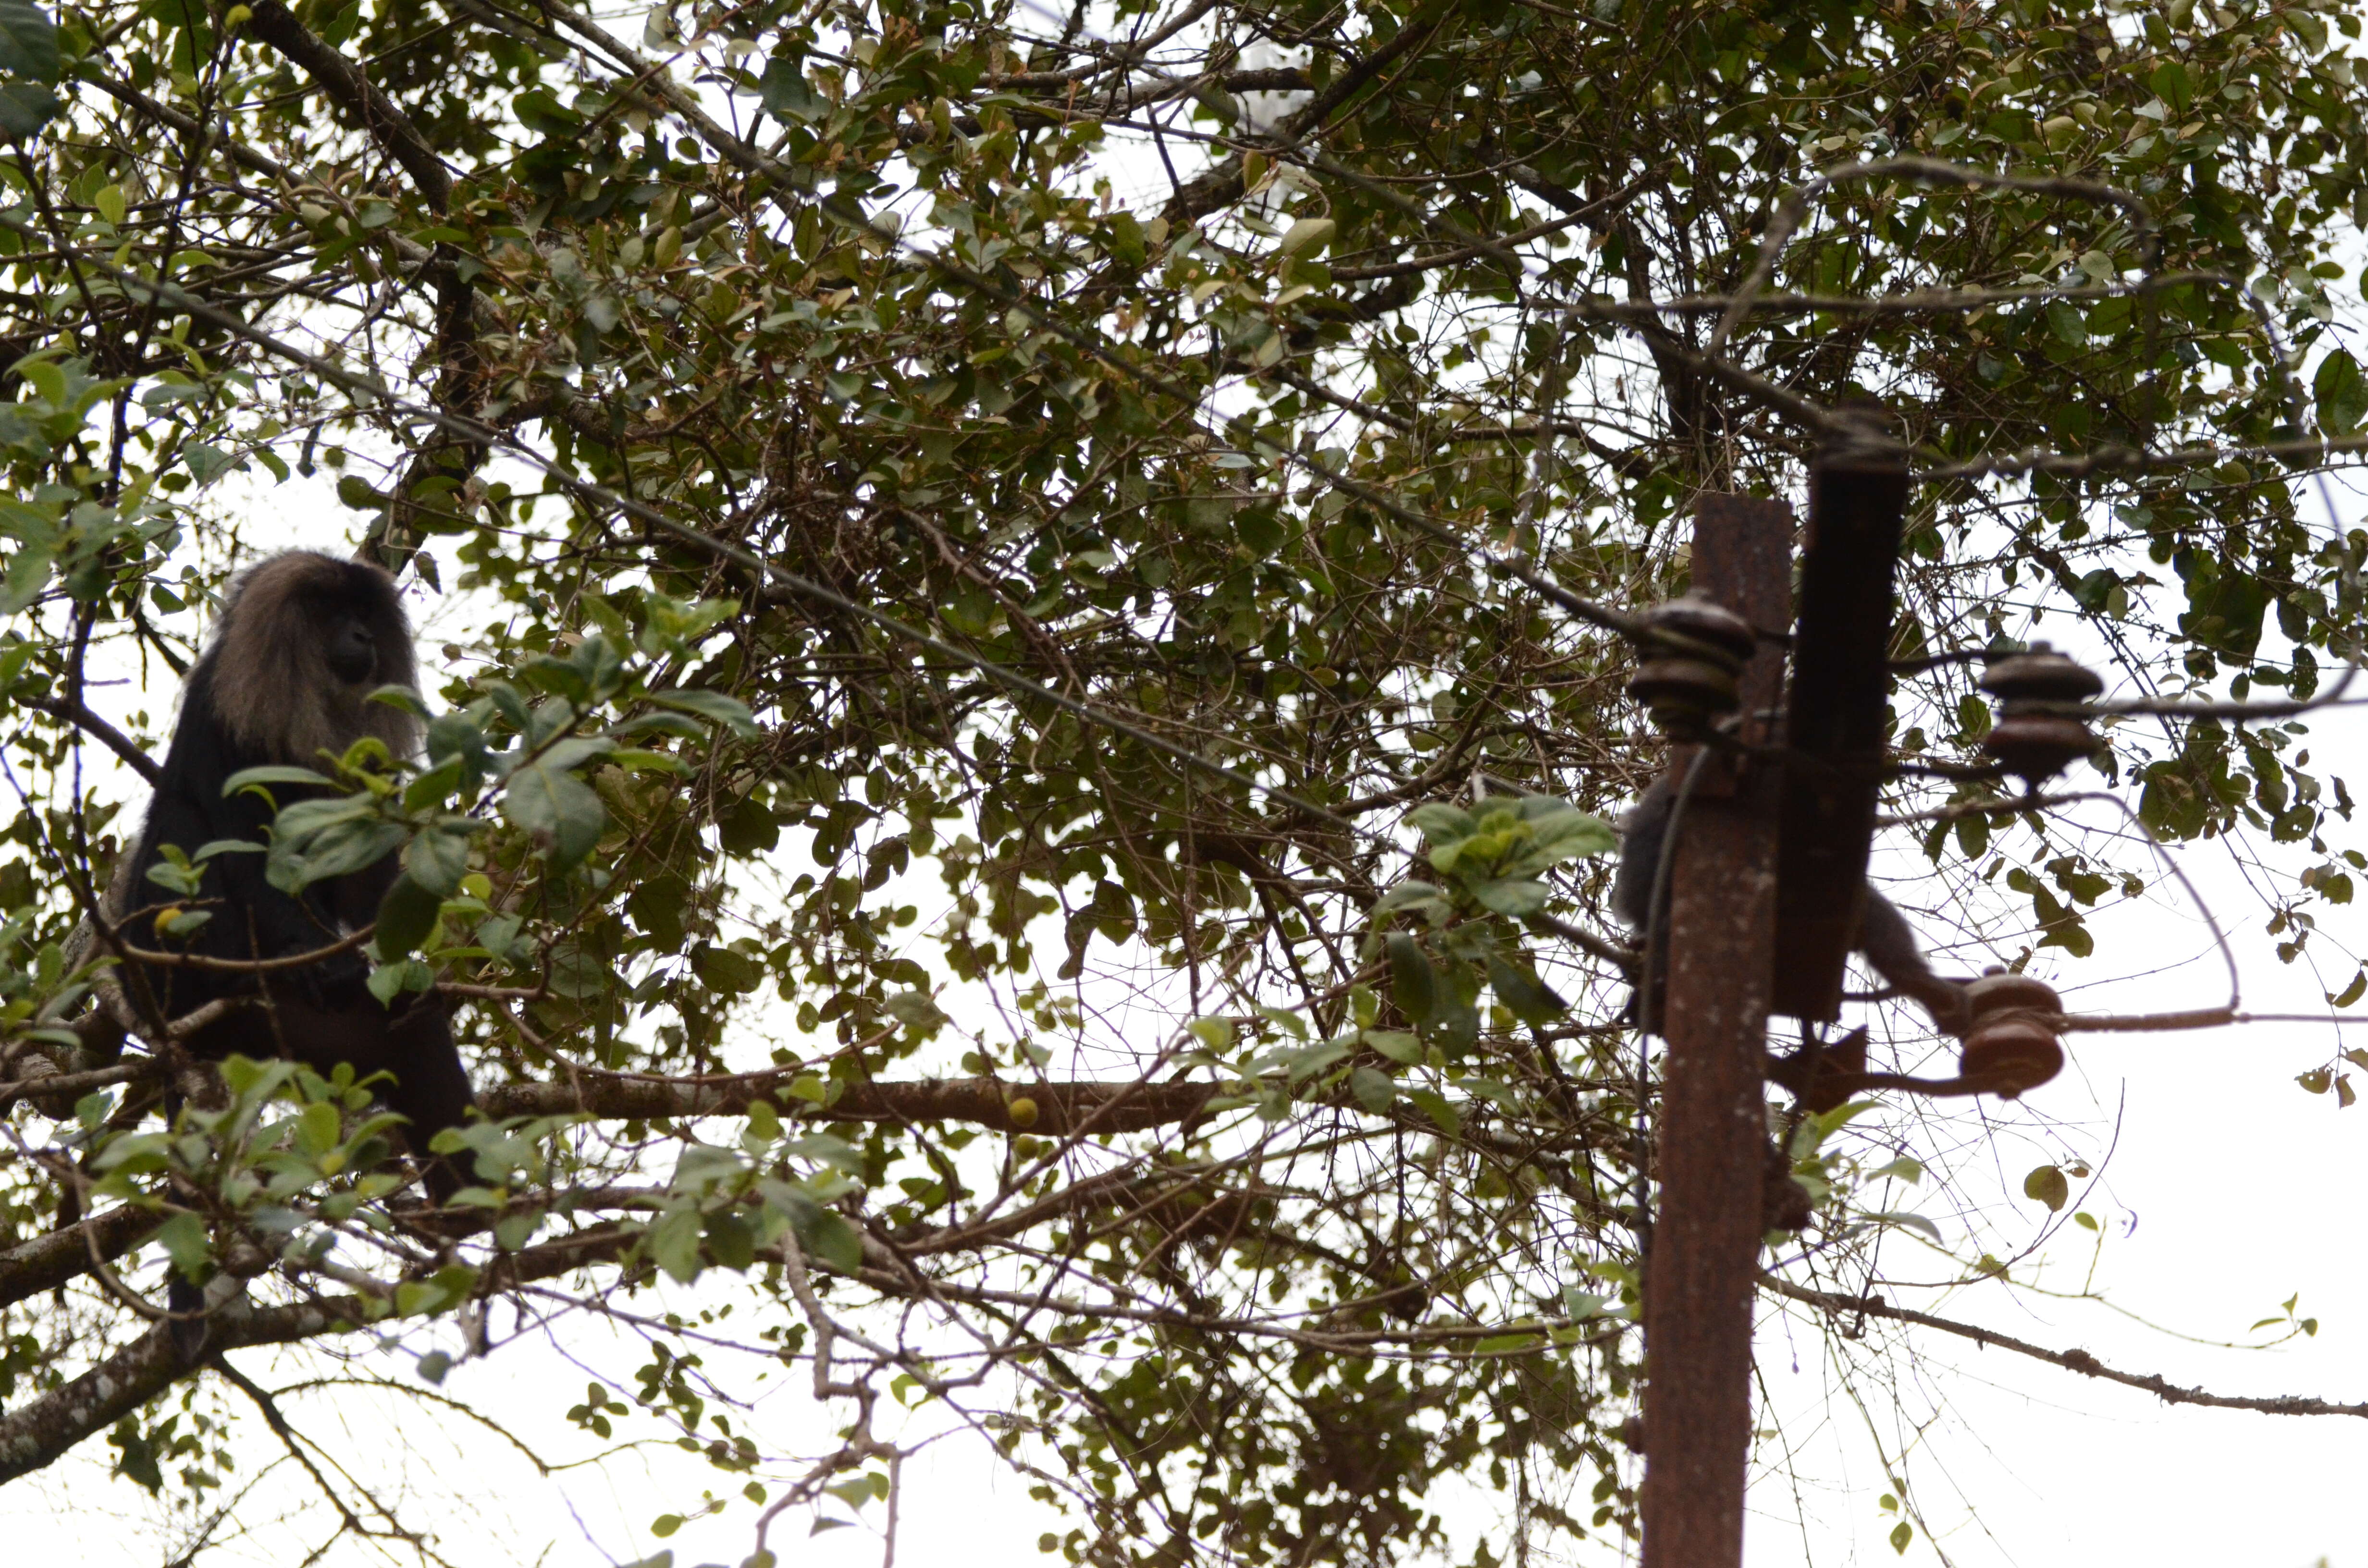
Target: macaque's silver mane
[[270, 682]]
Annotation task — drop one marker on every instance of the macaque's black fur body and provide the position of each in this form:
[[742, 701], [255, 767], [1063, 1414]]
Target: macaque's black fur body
[[305, 639], [1884, 939]]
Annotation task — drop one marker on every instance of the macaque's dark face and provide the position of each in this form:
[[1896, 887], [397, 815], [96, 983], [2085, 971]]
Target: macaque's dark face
[[352, 647]]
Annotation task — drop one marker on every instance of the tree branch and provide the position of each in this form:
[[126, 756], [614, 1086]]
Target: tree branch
[[1222, 183], [1835, 1304], [39, 1432], [98, 728], [47, 1262], [394, 536], [342, 80], [1059, 1108]]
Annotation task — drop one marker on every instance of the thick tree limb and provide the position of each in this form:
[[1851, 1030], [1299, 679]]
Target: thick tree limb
[[43, 1430], [1835, 1304], [1059, 1108], [47, 1262], [49, 1088]]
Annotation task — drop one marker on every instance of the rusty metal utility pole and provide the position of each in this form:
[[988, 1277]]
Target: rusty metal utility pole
[[1705, 1248], [1835, 712]]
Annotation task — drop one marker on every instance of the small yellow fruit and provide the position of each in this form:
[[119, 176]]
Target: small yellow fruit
[[1023, 1112], [164, 918]]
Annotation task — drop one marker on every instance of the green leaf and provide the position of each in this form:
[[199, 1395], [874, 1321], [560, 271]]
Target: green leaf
[[834, 1239], [28, 42], [185, 1241], [1260, 530], [673, 1244], [1441, 822], [2047, 1184], [1528, 999], [1435, 1106], [1421, 897], [1217, 1034], [1514, 897], [314, 840], [206, 463], [1413, 982], [317, 1129], [1126, 239], [406, 916], [1905, 1221], [437, 859], [1373, 1090], [2341, 389], [25, 108], [136, 1459], [1306, 234], [255, 778], [916, 1009], [1559, 831], [390, 980], [785, 94], [714, 707], [29, 569], [561, 811], [724, 971], [440, 1291], [732, 1241]]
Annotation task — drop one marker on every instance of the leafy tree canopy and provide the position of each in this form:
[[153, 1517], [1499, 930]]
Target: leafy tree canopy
[[965, 537]]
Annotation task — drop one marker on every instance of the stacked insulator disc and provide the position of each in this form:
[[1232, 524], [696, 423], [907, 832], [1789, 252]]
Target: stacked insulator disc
[[2010, 1044], [1692, 663], [2034, 738]]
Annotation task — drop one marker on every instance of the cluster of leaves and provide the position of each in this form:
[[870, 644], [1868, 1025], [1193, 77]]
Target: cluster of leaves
[[1491, 858]]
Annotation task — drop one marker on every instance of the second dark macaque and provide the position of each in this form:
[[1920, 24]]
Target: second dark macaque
[[1884, 939]]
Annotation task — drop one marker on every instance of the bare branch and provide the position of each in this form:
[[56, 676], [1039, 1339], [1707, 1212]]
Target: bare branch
[[79, 715], [1835, 1305]]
